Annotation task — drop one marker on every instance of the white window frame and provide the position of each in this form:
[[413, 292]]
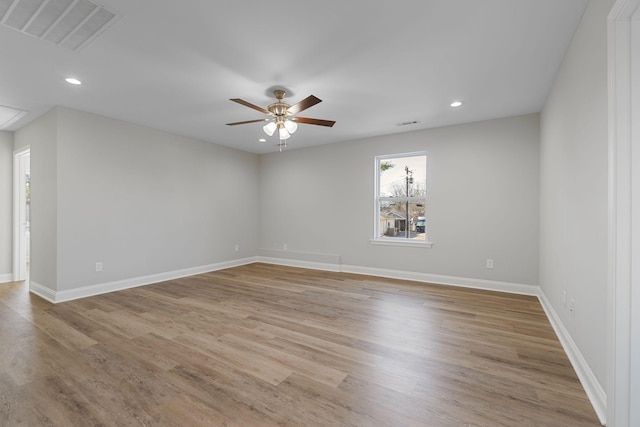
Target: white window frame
[[395, 241]]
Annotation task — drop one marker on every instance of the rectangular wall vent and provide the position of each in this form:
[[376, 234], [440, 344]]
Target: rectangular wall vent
[[412, 122], [69, 23]]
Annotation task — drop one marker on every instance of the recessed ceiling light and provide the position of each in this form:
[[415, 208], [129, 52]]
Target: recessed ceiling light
[[73, 81], [455, 104], [262, 140]]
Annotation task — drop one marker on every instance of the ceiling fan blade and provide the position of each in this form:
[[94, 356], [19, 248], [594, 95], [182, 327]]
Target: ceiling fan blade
[[245, 122], [309, 101], [250, 105], [320, 122]]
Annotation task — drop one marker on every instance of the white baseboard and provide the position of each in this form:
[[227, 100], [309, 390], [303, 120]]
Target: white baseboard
[[312, 265], [6, 277], [310, 260], [328, 262], [103, 288], [335, 265], [42, 291], [587, 378], [490, 285]]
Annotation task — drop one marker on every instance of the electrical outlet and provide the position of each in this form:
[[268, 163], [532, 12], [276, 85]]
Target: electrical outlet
[[285, 246], [237, 248], [564, 298], [99, 266], [572, 307], [490, 264]]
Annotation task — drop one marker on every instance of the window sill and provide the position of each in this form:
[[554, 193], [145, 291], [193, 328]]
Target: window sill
[[401, 242]]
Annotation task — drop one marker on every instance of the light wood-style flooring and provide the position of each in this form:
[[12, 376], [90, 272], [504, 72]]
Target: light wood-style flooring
[[264, 345]]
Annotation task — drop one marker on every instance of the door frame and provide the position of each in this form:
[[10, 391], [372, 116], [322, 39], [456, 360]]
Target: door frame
[[20, 243], [623, 376]]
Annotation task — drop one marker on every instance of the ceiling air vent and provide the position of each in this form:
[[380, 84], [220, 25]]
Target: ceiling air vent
[[412, 122], [69, 23], [10, 115]]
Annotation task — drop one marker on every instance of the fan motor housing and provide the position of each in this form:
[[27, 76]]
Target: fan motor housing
[[278, 109]]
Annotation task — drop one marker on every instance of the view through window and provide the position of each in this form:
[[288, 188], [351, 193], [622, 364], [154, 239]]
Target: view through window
[[401, 197]]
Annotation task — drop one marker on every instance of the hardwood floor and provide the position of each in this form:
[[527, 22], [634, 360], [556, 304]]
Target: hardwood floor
[[263, 345]]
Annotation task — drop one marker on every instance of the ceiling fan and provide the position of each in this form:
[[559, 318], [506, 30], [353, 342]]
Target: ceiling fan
[[283, 117]]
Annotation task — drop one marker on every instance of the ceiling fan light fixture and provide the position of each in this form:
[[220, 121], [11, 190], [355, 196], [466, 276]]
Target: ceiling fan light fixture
[[291, 126], [269, 128], [281, 116], [283, 133]]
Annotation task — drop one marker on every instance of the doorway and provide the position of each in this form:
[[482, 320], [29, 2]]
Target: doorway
[[21, 213]]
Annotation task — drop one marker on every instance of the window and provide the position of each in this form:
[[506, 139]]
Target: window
[[401, 200]]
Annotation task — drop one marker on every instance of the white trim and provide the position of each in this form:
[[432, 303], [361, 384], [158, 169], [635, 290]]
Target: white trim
[[623, 364], [312, 265], [312, 260], [42, 291], [19, 254], [438, 279], [6, 277], [408, 243], [103, 288], [592, 387]]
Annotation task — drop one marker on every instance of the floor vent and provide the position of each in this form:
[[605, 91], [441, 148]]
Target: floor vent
[[69, 23]]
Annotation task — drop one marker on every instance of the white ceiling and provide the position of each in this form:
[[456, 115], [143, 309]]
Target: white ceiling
[[174, 65]]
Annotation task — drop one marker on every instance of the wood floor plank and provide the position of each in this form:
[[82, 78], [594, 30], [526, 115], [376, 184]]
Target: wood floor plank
[[242, 360], [187, 410], [59, 330], [312, 370], [71, 408], [266, 345], [26, 365], [16, 408], [321, 344], [239, 398], [138, 351]]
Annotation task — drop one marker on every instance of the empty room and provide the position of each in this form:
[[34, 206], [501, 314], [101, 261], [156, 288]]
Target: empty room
[[418, 213]]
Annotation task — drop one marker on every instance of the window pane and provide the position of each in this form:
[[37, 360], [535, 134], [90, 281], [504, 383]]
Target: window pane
[[395, 223], [403, 176]]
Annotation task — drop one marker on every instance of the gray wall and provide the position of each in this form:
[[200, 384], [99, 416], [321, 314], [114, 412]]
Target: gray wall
[[6, 206], [144, 201], [139, 200], [483, 183], [573, 196]]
